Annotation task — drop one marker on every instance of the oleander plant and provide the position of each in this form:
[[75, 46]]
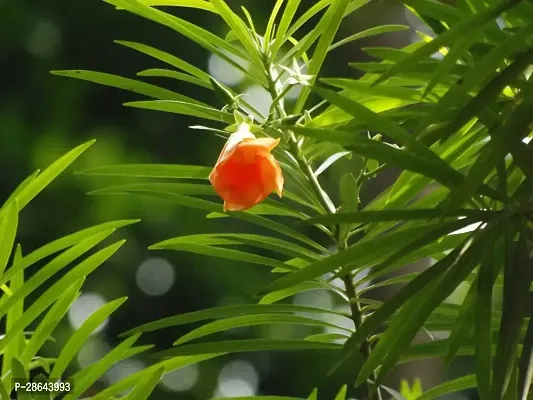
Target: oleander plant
[[451, 113]]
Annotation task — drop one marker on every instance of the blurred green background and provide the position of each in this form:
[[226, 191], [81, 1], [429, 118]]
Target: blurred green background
[[42, 116]]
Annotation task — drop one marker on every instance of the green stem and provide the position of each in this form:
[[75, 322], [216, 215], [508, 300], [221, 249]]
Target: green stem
[[305, 167]]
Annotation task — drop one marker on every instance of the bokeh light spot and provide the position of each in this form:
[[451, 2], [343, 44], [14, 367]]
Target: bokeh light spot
[[82, 309], [237, 379], [181, 380], [223, 71], [155, 276]]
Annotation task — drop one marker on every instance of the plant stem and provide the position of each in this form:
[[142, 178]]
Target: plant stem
[[305, 167]]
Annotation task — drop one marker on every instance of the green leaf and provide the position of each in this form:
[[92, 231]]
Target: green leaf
[[18, 371], [50, 321], [204, 38], [367, 216], [146, 386], [455, 385], [512, 130], [133, 379], [349, 199], [56, 290], [451, 59], [526, 363], [229, 254], [222, 312], [8, 231], [184, 108], [15, 349], [278, 295], [457, 97], [252, 320], [412, 290], [328, 26], [517, 279], [383, 125], [488, 271], [330, 161], [168, 58], [42, 180], [179, 76], [362, 253], [61, 244], [195, 189], [246, 345], [376, 30], [80, 336], [53, 267], [237, 25], [342, 393], [461, 29], [131, 85], [265, 242], [86, 377], [243, 216], [385, 153], [286, 19], [151, 171], [198, 4], [463, 325]]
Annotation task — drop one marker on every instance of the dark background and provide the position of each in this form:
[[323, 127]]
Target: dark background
[[42, 116]]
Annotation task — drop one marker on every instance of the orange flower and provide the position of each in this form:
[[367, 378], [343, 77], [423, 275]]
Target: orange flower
[[246, 173]]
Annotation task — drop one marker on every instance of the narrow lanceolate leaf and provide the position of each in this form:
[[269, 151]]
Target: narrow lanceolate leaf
[[198, 4], [379, 316], [179, 76], [463, 325], [85, 378], [61, 244], [278, 295], [526, 363], [131, 85], [363, 253], [19, 371], [455, 385], [239, 27], [517, 279], [57, 289], [225, 311], [407, 323], [133, 379], [80, 336], [8, 231], [48, 175], [462, 29], [246, 345], [377, 30], [146, 386], [261, 241], [171, 171], [53, 267], [288, 14], [402, 215], [385, 153], [167, 58], [450, 60], [50, 322], [334, 16], [488, 271], [252, 320], [184, 108], [13, 315]]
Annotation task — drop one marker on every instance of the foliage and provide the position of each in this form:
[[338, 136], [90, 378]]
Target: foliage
[[458, 128]]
